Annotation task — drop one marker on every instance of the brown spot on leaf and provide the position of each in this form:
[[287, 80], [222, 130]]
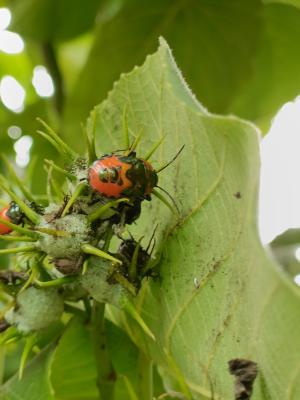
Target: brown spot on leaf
[[238, 195], [245, 372]]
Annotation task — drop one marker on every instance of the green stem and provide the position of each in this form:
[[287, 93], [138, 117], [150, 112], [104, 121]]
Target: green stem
[[132, 270], [67, 149], [165, 201], [48, 184], [2, 363], [108, 237], [53, 232], [154, 148], [53, 66], [135, 142], [85, 266], [87, 306], [34, 273], [19, 229], [30, 214], [77, 192], [124, 282], [68, 308], [125, 128], [8, 238], [102, 210], [131, 310], [14, 250], [52, 141], [16, 179], [53, 189], [29, 343], [93, 132], [55, 282], [59, 169], [106, 374], [89, 144], [145, 377], [88, 249]]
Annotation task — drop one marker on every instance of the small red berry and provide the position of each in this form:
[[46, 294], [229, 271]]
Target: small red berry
[[11, 213], [4, 229]]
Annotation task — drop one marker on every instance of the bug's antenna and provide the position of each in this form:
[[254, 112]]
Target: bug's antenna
[[170, 197], [170, 162]]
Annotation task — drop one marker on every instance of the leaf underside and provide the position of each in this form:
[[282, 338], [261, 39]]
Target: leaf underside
[[219, 296]]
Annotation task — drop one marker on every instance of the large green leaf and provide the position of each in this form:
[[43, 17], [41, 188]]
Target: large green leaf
[[33, 385], [239, 57], [295, 3], [275, 78], [219, 297], [73, 368]]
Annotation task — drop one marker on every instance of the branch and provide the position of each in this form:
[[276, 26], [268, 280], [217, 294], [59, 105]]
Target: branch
[[53, 67]]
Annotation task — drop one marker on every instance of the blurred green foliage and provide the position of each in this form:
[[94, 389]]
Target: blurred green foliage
[[239, 57]]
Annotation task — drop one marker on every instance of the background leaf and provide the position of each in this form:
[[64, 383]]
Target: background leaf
[[73, 369], [239, 58], [33, 385], [219, 297], [203, 35], [53, 19]]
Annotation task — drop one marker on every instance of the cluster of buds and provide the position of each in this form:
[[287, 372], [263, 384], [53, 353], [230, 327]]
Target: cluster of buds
[[63, 244]]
